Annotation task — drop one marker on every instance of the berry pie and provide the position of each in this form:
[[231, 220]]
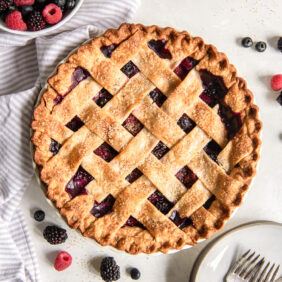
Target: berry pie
[[146, 139]]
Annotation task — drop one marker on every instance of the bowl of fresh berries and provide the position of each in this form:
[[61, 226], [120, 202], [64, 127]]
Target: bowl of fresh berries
[[36, 17]]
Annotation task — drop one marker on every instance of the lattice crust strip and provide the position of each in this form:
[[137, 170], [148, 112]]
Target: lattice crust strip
[[160, 79]]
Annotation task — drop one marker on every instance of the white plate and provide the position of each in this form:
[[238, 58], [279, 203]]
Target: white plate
[[264, 237]]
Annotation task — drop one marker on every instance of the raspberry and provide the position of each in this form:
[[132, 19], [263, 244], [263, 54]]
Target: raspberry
[[20, 3], [55, 235], [52, 14], [35, 21], [109, 269], [62, 261], [276, 82], [15, 21]]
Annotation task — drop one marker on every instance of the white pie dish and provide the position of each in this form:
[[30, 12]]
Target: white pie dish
[[46, 30]]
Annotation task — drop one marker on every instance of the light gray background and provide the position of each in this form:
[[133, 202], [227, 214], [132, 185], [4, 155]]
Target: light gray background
[[221, 23]]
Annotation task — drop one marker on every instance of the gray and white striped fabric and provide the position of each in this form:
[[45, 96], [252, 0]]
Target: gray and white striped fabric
[[24, 65]]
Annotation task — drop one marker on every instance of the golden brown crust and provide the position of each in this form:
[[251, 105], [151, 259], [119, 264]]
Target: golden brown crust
[[228, 180]]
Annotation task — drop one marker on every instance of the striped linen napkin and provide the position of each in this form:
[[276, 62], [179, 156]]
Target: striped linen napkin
[[25, 64]]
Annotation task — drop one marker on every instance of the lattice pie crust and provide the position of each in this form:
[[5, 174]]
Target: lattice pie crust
[[146, 139]]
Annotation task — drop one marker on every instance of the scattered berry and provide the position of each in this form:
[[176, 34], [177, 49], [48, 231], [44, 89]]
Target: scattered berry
[[39, 215], [279, 98], [26, 10], [279, 44], [35, 21], [5, 4], [62, 261], [55, 235], [20, 3], [109, 269], [276, 82], [52, 14], [261, 46], [15, 21], [135, 273], [247, 42], [70, 4]]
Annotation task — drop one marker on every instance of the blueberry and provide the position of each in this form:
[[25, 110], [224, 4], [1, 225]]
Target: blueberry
[[26, 9], [261, 46], [279, 98], [135, 273], [70, 4], [279, 44], [39, 215], [247, 42], [60, 3]]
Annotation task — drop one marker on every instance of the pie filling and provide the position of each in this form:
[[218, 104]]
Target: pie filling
[[186, 123], [102, 98], [184, 67], [54, 147], [157, 96], [160, 202], [186, 177], [78, 75], [134, 175], [106, 152], [133, 222], [180, 222], [158, 46], [212, 149], [130, 69], [75, 124], [132, 125], [76, 186], [108, 50], [104, 207]]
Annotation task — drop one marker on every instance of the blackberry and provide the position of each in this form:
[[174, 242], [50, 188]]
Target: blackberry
[[279, 44], [8, 11], [261, 46], [109, 269], [39, 215], [247, 42], [279, 98], [55, 235], [35, 21], [5, 4], [135, 273]]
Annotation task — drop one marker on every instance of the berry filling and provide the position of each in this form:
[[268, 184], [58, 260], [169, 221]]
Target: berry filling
[[75, 124], [76, 186], [184, 67], [208, 203], [186, 177], [160, 150], [130, 69], [132, 125], [214, 88], [104, 207], [78, 75], [106, 152], [108, 50], [157, 96], [102, 98], [132, 222], [158, 46], [58, 100], [231, 120], [179, 221], [186, 123], [134, 175], [160, 202], [54, 147], [212, 149]]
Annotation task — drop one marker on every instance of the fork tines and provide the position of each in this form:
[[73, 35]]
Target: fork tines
[[250, 268]]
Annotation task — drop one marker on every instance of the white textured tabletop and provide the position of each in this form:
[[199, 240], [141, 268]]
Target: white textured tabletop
[[221, 23]]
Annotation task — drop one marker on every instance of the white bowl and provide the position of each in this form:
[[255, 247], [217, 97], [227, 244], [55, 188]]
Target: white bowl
[[65, 19]]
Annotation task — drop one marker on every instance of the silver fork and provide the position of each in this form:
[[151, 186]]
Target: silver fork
[[250, 268]]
